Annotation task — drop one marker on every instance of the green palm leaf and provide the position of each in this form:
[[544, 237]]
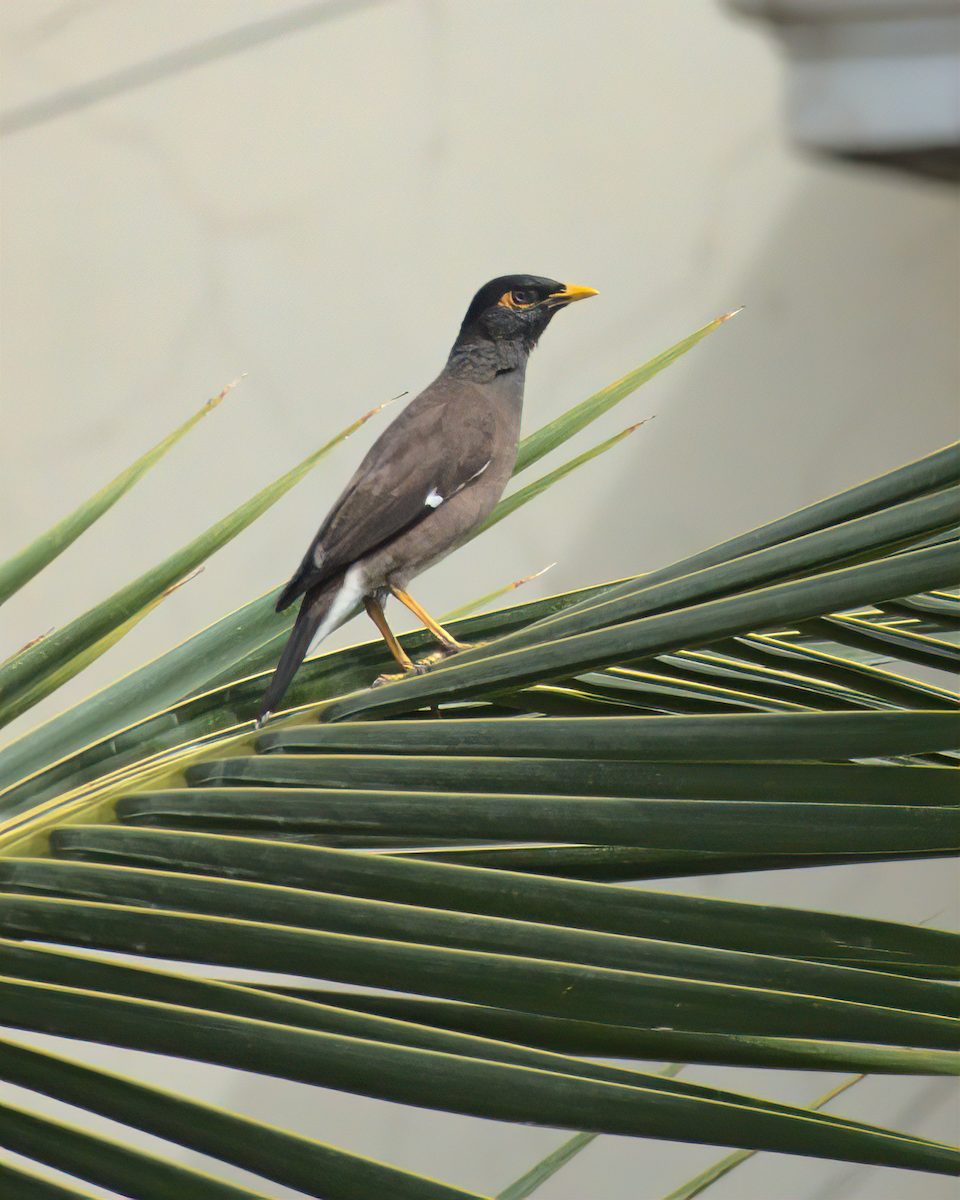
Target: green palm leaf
[[40, 668], [31, 560], [742, 710]]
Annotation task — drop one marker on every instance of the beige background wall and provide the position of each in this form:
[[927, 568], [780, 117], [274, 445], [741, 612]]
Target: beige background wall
[[317, 213]]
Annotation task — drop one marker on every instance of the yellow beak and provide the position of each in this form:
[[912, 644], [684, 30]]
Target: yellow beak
[[570, 293]]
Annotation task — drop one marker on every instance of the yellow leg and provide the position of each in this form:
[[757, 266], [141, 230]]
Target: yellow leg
[[375, 613], [445, 639]]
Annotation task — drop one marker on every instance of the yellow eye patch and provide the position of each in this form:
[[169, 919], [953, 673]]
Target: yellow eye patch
[[516, 300]]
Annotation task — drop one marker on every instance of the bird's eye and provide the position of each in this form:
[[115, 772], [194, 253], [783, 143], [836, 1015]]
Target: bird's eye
[[518, 298]]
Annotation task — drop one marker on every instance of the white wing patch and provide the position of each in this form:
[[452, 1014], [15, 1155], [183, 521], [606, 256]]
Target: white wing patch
[[434, 499]]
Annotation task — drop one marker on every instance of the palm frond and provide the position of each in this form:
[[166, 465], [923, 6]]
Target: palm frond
[[436, 863]]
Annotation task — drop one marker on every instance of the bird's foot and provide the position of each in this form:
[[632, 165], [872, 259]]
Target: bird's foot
[[446, 648], [418, 668], [423, 665], [439, 655]]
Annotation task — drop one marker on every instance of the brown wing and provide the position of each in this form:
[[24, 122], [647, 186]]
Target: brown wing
[[420, 461]]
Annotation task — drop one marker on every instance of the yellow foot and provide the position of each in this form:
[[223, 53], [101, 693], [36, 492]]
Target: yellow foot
[[418, 668], [444, 650], [448, 648], [423, 665]]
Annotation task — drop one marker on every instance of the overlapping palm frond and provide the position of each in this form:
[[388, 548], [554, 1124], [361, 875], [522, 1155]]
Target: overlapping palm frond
[[438, 862]]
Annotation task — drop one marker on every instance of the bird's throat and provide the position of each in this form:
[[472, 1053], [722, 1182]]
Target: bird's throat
[[482, 361]]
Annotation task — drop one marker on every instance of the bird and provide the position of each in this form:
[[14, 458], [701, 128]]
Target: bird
[[429, 480]]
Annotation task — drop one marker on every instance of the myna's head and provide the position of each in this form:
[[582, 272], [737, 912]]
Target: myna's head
[[517, 309]]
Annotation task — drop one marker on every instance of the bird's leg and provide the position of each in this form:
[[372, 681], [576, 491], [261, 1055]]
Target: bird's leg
[[448, 643], [376, 615]]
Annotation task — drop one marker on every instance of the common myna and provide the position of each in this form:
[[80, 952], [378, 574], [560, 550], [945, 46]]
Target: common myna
[[430, 479]]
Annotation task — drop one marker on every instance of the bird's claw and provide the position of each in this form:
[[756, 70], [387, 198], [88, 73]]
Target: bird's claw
[[423, 665], [437, 656], [417, 668], [448, 648]]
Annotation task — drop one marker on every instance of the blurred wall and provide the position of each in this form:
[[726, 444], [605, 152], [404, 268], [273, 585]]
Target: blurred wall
[[317, 211]]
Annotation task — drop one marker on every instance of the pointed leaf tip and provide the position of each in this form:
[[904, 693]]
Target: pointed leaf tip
[[379, 408], [22, 567], [215, 400], [535, 575]]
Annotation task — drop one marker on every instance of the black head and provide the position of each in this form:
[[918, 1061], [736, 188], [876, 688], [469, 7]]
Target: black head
[[516, 308]]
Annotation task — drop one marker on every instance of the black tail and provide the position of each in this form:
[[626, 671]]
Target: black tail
[[313, 609]]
